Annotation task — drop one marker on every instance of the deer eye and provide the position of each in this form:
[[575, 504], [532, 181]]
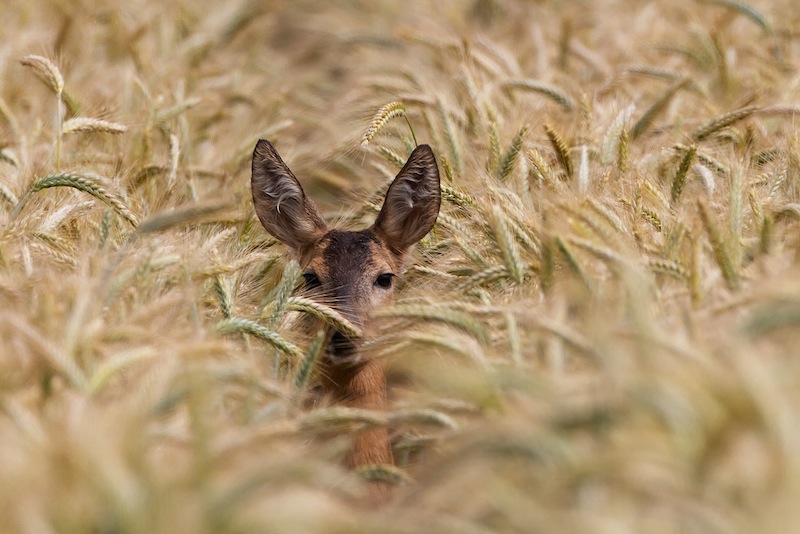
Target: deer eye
[[312, 280], [385, 280]]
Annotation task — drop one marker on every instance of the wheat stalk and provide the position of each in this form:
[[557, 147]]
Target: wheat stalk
[[611, 140], [671, 268], [622, 154], [494, 146], [583, 171], [46, 71], [379, 120], [506, 243], [392, 156], [189, 215], [116, 364], [223, 292], [679, 180], [488, 275], [459, 198], [307, 364], [609, 216], [509, 159], [538, 165], [721, 253], [655, 193], [324, 313], [86, 124], [9, 157], [383, 473], [451, 137], [747, 10], [714, 125], [436, 313], [572, 261], [555, 93], [449, 176], [174, 159], [7, 195], [652, 217], [735, 214], [86, 182], [274, 305], [236, 325], [52, 78], [560, 148], [655, 109]]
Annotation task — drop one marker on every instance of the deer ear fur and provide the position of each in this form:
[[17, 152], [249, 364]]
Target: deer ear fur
[[412, 202], [280, 202]]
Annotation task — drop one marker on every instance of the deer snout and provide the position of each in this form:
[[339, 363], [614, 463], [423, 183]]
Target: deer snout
[[342, 347]]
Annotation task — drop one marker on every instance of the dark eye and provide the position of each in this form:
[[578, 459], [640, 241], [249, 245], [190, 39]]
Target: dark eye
[[312, 280], [385, 280]]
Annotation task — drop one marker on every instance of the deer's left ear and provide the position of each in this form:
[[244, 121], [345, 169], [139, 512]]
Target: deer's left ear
[[280, 202], [412, 202]]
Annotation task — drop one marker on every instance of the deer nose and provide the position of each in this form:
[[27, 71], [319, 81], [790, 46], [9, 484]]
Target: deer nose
[[342, 346]]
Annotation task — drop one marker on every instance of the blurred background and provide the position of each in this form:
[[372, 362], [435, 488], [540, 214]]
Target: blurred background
[[599, 335]]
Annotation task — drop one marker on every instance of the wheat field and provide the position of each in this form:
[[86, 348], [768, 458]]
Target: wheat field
[[601, 333]]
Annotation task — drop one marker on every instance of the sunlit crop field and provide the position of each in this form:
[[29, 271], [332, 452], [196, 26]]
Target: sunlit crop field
[[600, 334]]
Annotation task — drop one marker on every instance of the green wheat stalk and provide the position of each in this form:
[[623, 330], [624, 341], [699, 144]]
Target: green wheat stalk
[[88, 183], [324, 313], [560, 148], [309, 361], [745, 9], [679, 180], [238, 325], [222, 290], [509, 158], [274, 305]]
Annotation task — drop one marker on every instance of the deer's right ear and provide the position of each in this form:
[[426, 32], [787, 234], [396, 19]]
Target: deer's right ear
[[280, 202], [412, 202]]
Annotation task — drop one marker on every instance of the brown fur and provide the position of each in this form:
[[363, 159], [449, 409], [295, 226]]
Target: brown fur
[[362, 386], [350, 269]]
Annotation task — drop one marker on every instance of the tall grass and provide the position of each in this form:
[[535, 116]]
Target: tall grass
[[599, 335]]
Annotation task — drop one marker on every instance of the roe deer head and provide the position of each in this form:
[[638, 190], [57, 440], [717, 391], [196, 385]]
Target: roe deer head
[[355, 270]]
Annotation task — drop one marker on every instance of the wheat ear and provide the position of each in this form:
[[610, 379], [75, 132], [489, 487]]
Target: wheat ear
[[717, 123], [509, 159], [86, 182], [560, 147], [720, 250], [325, 314], [655, 109], [555, 94], [679, 181], [246, 326], [52, 78], [383, 116], [86, 124]]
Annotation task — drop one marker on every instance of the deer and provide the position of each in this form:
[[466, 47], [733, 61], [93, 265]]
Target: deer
[[355, 270]]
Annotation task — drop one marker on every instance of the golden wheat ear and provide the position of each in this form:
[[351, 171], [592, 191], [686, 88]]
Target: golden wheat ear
[[280, 202], [412, 202]]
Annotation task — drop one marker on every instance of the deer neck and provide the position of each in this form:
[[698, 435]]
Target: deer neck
[[363, 386]]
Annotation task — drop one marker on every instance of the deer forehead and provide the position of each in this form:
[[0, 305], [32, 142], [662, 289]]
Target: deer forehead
[[347, 257]]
